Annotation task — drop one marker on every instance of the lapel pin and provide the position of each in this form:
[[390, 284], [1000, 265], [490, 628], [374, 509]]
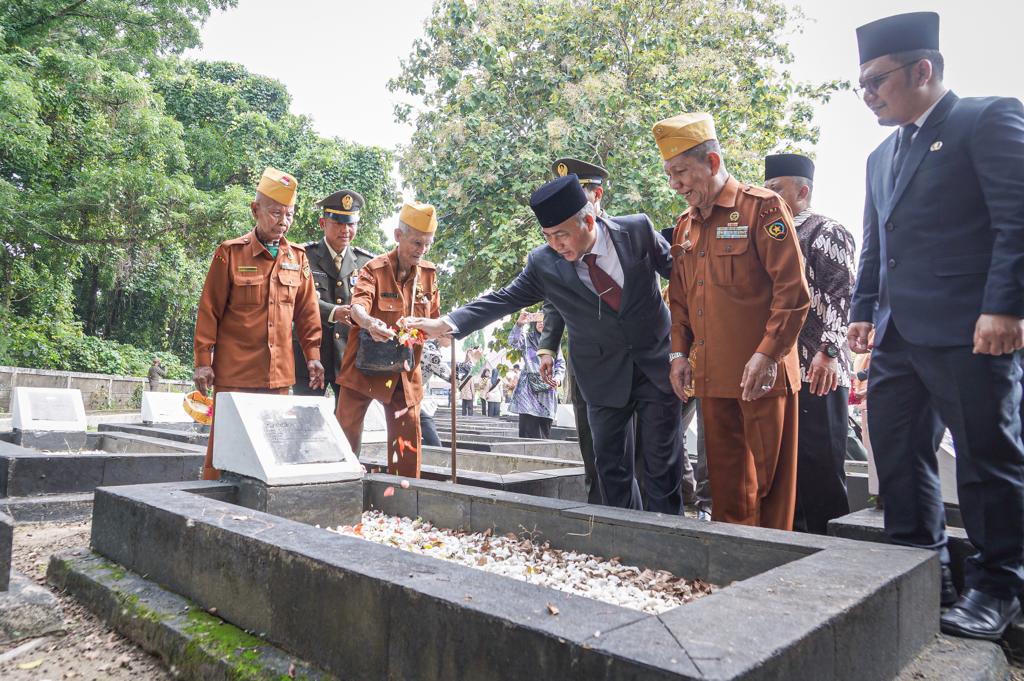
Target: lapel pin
[[936, 145]]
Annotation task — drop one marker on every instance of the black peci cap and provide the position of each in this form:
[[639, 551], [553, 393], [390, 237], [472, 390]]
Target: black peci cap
[[558, 200], [788, 165], [899, 33]]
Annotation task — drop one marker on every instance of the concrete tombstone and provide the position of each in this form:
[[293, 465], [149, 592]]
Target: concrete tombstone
[[34, 409], [281, 439], [160, 407]]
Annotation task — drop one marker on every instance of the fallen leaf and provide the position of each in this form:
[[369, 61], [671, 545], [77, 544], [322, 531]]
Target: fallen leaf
[[388, 383], [552, 609], [31, 665]]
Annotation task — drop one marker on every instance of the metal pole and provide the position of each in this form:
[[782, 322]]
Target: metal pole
[[453, 391]]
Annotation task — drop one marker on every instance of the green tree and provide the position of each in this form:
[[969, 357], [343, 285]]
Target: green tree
[[505, 86]]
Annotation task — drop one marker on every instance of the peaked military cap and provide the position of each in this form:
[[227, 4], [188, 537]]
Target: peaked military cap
[[342, 206], [788, 165], [558, 200], [589, 173], [898, 33]]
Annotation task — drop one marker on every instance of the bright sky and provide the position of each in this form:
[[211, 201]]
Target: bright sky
[[319, 48]]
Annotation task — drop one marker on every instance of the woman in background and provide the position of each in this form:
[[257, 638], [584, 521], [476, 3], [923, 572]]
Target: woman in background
[[534, 400]]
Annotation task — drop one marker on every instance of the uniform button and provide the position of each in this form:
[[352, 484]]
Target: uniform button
[[700, 282], [271, 324], [728, 249], [892, 263], [337, 283], [889, 226], [337, 335], [701, 254], [338, 301], [700, 312], [271, 301]]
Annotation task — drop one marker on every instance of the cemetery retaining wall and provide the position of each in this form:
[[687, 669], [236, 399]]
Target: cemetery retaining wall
[[99, 391]]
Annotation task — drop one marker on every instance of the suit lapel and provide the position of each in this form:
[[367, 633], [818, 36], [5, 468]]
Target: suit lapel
[[348, 264], [567, 272], [922, 143]]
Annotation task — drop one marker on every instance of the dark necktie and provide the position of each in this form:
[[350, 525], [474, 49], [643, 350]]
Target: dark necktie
[[906, 137], [607, 289]]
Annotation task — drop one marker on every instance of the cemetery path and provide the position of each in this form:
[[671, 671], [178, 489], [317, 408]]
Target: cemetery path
[[89, 651]]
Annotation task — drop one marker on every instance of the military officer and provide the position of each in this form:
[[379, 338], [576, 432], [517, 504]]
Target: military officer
[[825, 367], [940, 284], [738, 301], [389, 288], [258, 289], [335, 264]]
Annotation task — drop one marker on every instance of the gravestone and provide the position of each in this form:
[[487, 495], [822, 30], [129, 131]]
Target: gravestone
[[164, 408], [281, 439], [55, 409], [375, 425], [6, 549], [566, 416]]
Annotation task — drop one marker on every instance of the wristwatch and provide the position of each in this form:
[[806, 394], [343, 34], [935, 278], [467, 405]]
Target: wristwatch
[[829, 349], [673, 356]]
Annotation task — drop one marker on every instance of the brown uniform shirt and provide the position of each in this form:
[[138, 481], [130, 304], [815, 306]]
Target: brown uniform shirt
[[737, 288], [250, 301], [381, 295]]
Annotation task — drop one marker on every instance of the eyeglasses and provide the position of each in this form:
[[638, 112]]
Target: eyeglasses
[[871, 85]]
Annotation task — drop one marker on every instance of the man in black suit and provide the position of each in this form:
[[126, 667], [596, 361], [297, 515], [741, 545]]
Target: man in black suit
[[940, 280], [601, 274], [334, 265]]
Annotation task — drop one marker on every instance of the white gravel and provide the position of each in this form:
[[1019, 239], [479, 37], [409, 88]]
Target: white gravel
[[651, 591]]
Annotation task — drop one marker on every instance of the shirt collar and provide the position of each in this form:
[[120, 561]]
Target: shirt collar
[[726, 198], [334, 253], [924, 117], [603, 242]]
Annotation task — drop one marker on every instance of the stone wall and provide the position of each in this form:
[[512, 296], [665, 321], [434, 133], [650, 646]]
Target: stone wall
[[99, 391]]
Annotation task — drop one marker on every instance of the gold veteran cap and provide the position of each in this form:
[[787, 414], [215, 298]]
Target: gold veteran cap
[[419, 216], [279, 186], [682, 133]]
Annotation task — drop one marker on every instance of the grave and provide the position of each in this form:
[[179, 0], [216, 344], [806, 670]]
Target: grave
[[26, 609], [161, 407], [47, 409], [792, 606]]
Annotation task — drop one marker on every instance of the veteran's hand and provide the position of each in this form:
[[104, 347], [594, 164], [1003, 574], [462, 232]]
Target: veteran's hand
[[998, 334], [379, 331], [680, 373], [758, 376], [431, 328], [823, 374], [203, 378], [547, 370], [343, 314], [857, 335], [316, 374]]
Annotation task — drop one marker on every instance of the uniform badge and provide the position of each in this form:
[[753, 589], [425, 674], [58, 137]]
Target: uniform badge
[[777, 230], [305, 272], [734, 216], [248, 268], [290, 266], [732, 232], [562, 169], [936, 145], [352, 281], [346, 202]]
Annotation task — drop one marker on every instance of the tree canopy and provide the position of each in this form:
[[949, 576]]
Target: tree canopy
[[499, 88]]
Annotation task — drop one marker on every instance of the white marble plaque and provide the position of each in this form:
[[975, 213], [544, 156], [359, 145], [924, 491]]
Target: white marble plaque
[[566, 416], [47, 409], [164, 408], [375, 426], [281, 439]]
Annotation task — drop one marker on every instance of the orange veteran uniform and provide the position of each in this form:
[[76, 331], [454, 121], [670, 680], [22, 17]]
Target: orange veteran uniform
[[244, 327], [737, 288], [384, 297]]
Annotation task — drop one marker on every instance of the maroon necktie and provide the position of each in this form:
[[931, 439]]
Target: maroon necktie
[[607, 289]]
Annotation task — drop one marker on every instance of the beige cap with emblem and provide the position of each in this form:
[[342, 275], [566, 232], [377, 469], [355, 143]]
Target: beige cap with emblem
[[682, 133], [278, 185], [420, 216]]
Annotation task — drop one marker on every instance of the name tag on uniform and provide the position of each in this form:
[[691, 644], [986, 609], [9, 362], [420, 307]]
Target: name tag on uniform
[[732, 232], [247, 268], [388, 294], [290, 266]]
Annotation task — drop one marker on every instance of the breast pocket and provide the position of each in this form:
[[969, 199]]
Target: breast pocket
[[248, 290], [729, 262], [289, 286], [389, 304]]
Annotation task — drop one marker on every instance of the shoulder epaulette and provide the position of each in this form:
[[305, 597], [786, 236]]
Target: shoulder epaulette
[[759, 192], [364, 252], [377, 262], [237, 241], [427, 265], [301, 247]]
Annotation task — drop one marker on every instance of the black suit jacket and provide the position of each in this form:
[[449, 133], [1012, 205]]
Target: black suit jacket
[[605, 346], [944, 242], [333, 287]]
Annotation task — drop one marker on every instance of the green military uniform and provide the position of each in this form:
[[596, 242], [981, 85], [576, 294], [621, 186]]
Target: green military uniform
[[334, 287]]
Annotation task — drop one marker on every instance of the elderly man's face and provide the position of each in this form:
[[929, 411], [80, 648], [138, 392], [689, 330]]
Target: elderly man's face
[[338, 235], [272, 218], [889, 89], [572, 239], [412, 245], [692, 178]]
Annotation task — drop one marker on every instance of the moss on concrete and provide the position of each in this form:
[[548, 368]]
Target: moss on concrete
[[227, 642]]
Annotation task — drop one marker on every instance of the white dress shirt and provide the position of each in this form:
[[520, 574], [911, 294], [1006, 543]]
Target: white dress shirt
[[607, 259]]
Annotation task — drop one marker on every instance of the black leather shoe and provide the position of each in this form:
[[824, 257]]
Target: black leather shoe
[[979, 615], [947, 595]]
